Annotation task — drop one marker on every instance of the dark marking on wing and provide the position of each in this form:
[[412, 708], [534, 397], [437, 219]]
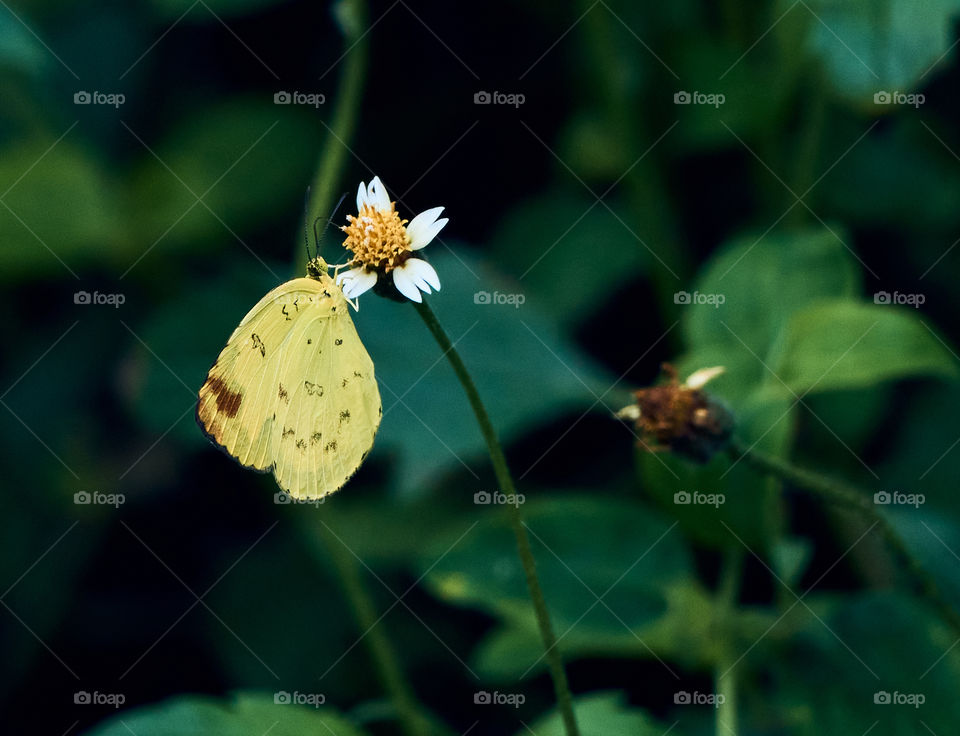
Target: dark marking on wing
[[338, 341], [330, 446], [344, 416], [313, 389], [286, 433], [258, 344], [228, 401], [315, 438], [309, 341], [282, 394], [344, 383], [301, 445], [285, 314], [358, 374]]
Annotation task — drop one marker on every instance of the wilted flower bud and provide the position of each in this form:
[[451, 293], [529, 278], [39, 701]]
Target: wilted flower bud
[[682, 418]]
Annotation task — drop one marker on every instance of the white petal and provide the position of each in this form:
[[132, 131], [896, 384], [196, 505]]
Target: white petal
[[700, 378], [418, 231], [377, 195], [405, 285], [422, 273], [361, 197], [356, 281], [631, 413]]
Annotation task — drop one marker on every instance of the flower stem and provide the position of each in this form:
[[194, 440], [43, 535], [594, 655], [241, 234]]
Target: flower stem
[[842, 494], [409, 711], [728, 592], [502, 472], [353, 21]]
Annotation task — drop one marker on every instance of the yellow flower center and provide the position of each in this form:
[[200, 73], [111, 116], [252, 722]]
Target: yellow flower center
[[378, 240]]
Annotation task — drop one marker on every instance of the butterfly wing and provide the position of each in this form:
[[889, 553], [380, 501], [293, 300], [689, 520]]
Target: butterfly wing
[[333, 412], [261, 402]]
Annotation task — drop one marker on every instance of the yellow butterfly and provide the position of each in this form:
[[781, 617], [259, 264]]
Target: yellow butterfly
[[293, 391]]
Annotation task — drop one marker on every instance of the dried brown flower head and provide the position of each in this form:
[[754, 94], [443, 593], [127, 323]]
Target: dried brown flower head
[[681, 417]]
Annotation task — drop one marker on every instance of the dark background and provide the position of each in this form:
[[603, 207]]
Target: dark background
[[692, 198]]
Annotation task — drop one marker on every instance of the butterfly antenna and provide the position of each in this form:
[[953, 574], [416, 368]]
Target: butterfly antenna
[[318, 233], [306, 204]]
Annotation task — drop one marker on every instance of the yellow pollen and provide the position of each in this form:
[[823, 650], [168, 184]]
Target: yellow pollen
[[378, 240]]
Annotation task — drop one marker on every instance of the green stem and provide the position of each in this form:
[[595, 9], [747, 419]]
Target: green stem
[[728, 593], [502, 472], [847, 496], [343, 122], [409, 711]]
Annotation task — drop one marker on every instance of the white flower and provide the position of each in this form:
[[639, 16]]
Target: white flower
[[382, 244]]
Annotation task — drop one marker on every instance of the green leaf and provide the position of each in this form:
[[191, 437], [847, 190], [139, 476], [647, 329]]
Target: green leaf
[[684, 635], [584, 547], [878, 45], [763, 280], [601, 714], [843, 344], [864, 645], [246, 714], [61, 209]]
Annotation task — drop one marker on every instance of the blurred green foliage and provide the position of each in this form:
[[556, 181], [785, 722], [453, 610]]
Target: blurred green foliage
[[800, 200]]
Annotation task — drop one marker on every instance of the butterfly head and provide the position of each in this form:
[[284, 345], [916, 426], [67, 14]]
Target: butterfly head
[[317, 268]]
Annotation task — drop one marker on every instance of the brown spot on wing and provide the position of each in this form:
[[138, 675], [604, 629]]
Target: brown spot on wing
[[228, 402]]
